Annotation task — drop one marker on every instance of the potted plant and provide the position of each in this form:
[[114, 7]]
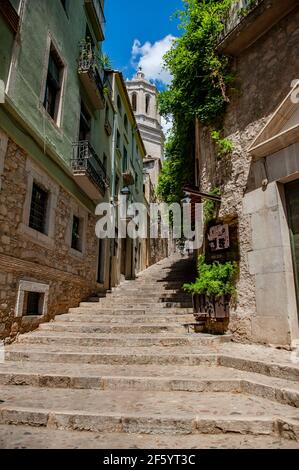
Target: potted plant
[[213, 289]]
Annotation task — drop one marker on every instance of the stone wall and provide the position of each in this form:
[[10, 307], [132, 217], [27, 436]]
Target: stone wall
[[264, 74], [71, 276], [158, 250]]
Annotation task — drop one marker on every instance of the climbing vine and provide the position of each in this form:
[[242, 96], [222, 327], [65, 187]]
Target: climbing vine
[[210, 206], [224, 146], [199, 88]]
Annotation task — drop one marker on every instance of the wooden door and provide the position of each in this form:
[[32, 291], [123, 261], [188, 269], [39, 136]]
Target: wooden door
[[292, 197]]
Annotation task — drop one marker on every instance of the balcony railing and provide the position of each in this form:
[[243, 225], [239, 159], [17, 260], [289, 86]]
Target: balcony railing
[[87, 165], [248, 20], [238, 11], [91, 74], [96, 13]]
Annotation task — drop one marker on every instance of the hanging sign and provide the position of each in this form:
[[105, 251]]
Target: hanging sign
[[218, 237]]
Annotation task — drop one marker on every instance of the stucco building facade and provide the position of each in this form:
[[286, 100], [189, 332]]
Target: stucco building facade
[[259, 180], [58, 137]]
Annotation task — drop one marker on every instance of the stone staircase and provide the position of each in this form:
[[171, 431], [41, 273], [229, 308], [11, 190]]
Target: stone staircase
[[127, 370]]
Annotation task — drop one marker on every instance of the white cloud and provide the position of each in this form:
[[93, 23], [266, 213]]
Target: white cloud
[[150, 57]]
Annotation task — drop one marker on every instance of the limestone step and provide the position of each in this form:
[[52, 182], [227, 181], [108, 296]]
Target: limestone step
[[145, 289], [150, 298], [121, 311], [147, 412], [28, 437], [170, 355], [105, 355], [93, 327], [95, 317], [145, 378], [129, 304], [121, 340]]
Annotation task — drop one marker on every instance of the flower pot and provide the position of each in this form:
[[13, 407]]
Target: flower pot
[[211, 307]]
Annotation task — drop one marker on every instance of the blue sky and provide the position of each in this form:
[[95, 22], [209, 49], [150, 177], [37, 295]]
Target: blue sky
[[148, 32]]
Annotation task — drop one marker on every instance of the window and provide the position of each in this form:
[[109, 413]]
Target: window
[[118, 140], [101, 258], [38, 210], [53, 85], [119, 105], [76, 234], [126, 123], [107, 112], [147, 103], [134, 102], [125, 160], [32, 299], [85, 123], [33, 303]]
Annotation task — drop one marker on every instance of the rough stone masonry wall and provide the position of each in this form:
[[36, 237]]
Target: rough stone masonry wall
[[70, 278], [264, 72]]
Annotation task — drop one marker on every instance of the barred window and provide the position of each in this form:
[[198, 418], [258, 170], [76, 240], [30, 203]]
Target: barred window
[[38, 210]]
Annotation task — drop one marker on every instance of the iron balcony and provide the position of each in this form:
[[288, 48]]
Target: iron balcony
[[91, 75], [88, 170]]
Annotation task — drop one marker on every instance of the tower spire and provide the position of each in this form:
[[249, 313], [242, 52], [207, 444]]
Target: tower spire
[[140, 73]]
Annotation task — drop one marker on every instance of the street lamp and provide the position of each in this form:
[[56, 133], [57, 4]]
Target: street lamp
[[186, 199], [125, 191]]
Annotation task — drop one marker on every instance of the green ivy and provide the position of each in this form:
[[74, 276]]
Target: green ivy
[[199, 88], [177, 167], [245, 10], [224, 146], [210, 206], [214, 280]]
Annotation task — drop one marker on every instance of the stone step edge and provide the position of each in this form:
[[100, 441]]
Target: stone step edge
[[137, 423], [285, 396], [281, 371]]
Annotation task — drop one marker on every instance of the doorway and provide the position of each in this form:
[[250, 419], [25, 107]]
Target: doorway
[[101, 258], [292, 199]]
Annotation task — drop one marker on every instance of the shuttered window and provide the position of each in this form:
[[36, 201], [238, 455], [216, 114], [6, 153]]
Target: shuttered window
[[38, 210]]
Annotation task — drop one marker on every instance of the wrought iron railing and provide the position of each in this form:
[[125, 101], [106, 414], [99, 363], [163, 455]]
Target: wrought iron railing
[[86, 160], [88, 62], [236, 14]]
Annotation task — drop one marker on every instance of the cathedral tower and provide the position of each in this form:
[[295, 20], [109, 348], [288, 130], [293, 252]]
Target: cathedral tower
[[143, 96]]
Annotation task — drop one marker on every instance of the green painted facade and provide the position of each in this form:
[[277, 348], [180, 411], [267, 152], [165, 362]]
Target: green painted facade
[[24, 118], [43, 23]]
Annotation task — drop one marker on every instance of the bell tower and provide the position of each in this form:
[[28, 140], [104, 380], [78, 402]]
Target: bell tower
[[143, 96]]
